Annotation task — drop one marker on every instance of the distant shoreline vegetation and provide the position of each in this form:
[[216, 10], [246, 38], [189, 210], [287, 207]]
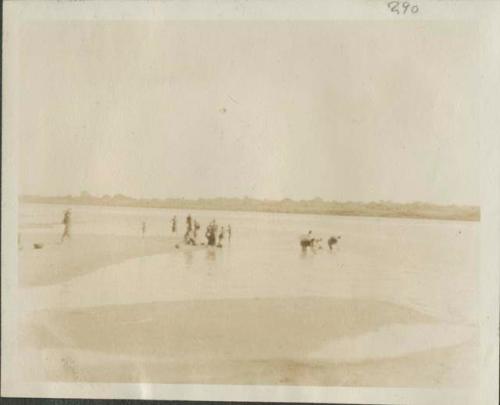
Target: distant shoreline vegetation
[[314, 206]]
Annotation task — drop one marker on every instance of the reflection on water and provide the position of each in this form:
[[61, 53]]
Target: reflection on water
[[210, 255], [188, 257]]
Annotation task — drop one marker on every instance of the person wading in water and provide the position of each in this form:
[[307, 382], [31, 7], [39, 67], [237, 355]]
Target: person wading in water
[[196, 228], [211, 233], [221, 236]]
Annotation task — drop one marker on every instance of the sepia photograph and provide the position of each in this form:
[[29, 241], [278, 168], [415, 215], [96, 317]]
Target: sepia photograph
[[276, 202]]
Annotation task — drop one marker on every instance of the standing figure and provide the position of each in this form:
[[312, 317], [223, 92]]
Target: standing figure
[[210, 234], [174, 224], [215, 227], [189, 230], [229, 233], [189, 238], [196, 228], [67, 225], [143, 228], [221, 235]]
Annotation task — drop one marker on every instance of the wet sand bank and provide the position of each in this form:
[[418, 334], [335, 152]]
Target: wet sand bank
[[242, 341], [57, 262]]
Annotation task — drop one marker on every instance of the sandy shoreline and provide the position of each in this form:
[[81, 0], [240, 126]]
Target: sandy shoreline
[[114, 333], [259, 341], [422, 369], [82, 254]]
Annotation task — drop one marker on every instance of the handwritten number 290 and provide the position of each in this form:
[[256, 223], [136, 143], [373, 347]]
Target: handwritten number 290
[[404, 7]]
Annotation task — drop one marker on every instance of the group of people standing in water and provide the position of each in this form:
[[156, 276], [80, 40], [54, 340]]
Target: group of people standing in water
[[214, 234]]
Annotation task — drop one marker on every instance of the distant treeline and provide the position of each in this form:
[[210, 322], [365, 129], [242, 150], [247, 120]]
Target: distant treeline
[[315, 206]]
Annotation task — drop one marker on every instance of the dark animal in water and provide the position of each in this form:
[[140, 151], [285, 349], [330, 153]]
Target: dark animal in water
[[305, 243], [312, 243], [333, 241]]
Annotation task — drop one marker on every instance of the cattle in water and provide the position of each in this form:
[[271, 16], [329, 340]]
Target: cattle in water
[[305, 243], [309, 241], [333, 241], [313, 243]]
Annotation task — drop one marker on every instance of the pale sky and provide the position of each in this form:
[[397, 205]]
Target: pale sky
[[348, 111]]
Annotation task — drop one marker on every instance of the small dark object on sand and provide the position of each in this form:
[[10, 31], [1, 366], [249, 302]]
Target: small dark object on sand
[[177, 246], [38, 245]]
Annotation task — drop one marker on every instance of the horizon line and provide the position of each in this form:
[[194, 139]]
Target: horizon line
[[243, 198]]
